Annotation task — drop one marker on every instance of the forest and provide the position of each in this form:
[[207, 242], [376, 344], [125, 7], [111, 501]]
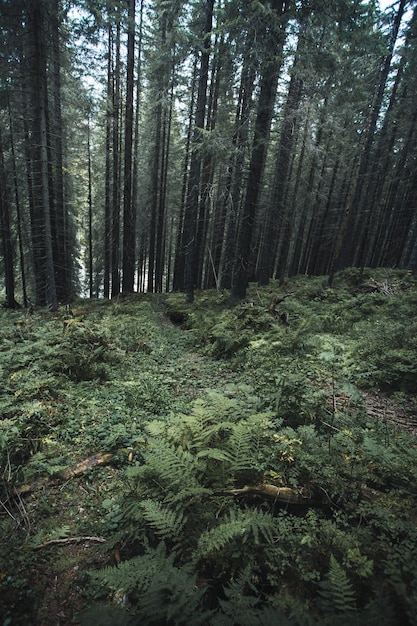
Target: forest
[[208, 335], [152, 146]]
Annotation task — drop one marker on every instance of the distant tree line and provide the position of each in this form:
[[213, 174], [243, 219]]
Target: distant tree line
[[155, 145]]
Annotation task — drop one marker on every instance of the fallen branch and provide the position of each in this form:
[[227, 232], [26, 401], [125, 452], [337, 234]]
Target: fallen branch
[[92, 461], [52, 542], [286, 495], [83, 466], [297, 496]]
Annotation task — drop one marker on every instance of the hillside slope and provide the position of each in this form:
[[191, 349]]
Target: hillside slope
[[215, 463]]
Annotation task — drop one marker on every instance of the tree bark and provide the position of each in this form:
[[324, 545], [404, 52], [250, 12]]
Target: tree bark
[[269, 79], [129, 216], [41, 220], [6, 236]]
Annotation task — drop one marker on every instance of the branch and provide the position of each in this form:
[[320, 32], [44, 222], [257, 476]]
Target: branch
[[68, 540], [92, 461], [286, 495]]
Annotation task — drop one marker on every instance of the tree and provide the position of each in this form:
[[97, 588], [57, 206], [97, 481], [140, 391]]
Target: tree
[[275, 38], [41, 214], [129, 216], [6, 235], [191, 209]]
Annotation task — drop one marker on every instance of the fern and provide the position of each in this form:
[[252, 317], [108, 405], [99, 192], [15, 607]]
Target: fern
[[336, 591], [168, 594], [173, 598], [165, 522], [136, 573], [244, 526], [186, 496], [240, 447], [243, 605]]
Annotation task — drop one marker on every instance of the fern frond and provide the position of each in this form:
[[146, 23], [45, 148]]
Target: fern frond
[[254, 526], [168, 594], [172, 464], [336, 590], [212, 434], [240, 448], [165, 522], [186, 495], [215, 454], [136, 573], [242, 605]]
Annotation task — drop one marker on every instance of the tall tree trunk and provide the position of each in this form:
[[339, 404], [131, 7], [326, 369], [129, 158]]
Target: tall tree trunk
[[18, 210], [62, 245], [136, 129], [90, 213], [179, 262], [107, 176], [191, 210], [266, 101], [277, 210], [208, 165], [307, 215], [225, 251], [115, 232], [352, 216], [41, 222], [161, 223], [6, 236], [129, 216]]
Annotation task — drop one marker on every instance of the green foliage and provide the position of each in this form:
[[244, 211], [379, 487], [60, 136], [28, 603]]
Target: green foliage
[[223, 443], [166, 594], [192, 415], [336, 592]]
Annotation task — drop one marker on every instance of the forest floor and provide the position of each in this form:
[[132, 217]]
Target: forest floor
[[59, 514], [77, 385]]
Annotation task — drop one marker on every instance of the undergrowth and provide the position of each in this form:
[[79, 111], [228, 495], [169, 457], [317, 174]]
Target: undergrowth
[[249, 481]]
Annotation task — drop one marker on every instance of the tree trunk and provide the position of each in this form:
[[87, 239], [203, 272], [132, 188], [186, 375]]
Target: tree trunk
[[18, 210], [345, 252], [277, 213], [62, 246], [6, 236], [233, 192], [115, 232], [41, 223], [179, 262], [192, 203], [107, 176], [271, 70], [90, 214], [129, 216]]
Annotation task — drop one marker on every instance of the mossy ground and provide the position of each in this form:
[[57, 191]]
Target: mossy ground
[[74, 385]]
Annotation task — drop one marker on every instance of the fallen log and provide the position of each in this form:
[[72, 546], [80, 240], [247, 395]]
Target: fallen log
[[92, 461], [285, 495], [311, 495]]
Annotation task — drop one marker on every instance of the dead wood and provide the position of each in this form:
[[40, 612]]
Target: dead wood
[[312, 495], [92, 461], [285, 495], [66, 540]]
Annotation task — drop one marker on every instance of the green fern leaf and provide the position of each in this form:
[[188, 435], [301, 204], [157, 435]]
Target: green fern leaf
[[336, 590], [246, 526], [215, 454], [165, 522], [240, 448], [172, 464]]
